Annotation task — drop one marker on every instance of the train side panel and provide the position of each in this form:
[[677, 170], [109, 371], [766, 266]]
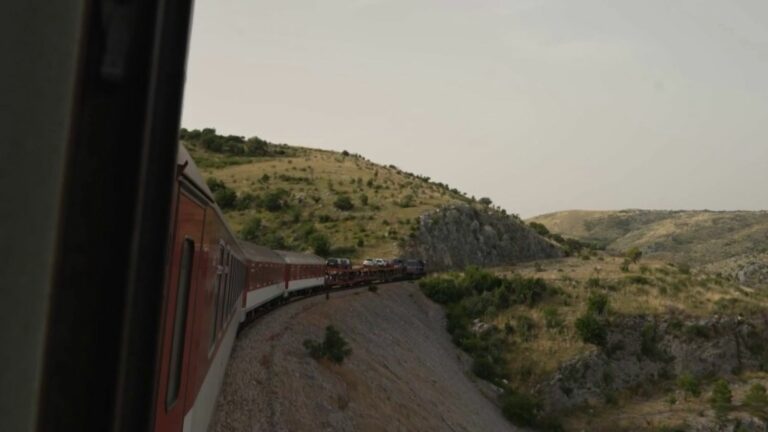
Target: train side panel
[[266, 275], [217, 315], [214, 281], [183, 285]]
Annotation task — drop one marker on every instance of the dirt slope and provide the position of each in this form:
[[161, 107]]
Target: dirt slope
[[404, 373]]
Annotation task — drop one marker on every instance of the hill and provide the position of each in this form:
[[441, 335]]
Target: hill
[[335, 203], [341, 204], [727, 241], [587, 343]]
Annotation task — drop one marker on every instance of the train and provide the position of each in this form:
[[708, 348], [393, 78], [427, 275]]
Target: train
[[215, 285]]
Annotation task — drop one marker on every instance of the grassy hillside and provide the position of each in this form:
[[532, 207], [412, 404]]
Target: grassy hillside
[[694, 237], [334, 203]]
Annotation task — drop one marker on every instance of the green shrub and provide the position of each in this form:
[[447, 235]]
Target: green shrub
[[333, 346], [689, 384], [592, 330], [540, 229], [597, 304], [526, 291], [320, 244], [407, 201], [215, 184], [443, 289], [480, 280], [274, 201], [343, 203], [247, 201], [756, 401], [520, 409], [526, 327], [484, 368], [373, 288], [637, 279], [252, 230], [363, 200], [624, 267], [593, 282], [649, 343], [225, 198], [634, 254]]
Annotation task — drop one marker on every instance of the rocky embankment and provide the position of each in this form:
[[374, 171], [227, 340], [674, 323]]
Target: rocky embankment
[[641, 352], [459, 235], [404, 373]]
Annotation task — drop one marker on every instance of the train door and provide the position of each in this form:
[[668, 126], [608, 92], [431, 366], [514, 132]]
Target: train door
[[176, 354]]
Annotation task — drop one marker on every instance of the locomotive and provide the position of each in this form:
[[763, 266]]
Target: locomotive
[[215, 285]]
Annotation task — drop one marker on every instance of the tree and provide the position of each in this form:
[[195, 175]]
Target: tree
[[634, 254], [485, 201], [721, 398], [343, 203], [320, 243], [543, 231], [256, 146]]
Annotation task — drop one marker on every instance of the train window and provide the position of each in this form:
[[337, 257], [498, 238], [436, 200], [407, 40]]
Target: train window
[[179, 323], [216, 291]]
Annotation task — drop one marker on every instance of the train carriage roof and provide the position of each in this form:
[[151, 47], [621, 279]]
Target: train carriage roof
[[191, 172], [300, 258], [258, 253]]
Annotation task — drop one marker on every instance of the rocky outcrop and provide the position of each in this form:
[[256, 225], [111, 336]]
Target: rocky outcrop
[[642, 350], [753, 274], [456, 236]]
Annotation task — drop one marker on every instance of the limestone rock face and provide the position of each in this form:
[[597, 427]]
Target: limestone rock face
[[643, 349], [753, 274], [456, 236]]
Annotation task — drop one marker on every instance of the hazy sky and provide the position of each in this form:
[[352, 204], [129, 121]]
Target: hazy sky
[[539, 105]]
